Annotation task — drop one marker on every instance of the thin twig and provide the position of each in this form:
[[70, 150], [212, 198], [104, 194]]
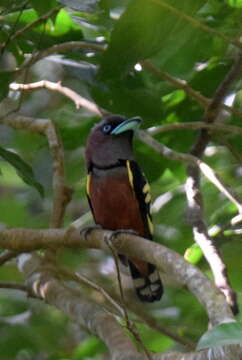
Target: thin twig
[[190, 159], [59, 48], [195, 126], [6, 256], [81, 279], [202, 100], [40, 19], [14, 286], [76, 98], [180, 84], [130, 325], [197, 23], [145, 317]]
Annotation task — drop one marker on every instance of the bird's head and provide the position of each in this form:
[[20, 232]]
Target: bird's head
[[111, 140]]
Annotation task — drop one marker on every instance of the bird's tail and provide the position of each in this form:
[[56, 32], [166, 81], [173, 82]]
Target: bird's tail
[[148, 287]]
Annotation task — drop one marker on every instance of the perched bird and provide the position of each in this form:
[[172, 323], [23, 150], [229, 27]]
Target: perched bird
[[118, 194]]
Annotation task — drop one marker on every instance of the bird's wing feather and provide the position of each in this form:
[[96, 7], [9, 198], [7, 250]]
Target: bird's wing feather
[[142, 192]]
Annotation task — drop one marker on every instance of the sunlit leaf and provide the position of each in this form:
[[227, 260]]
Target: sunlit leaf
[[193, 254], [235, 3], [23, 169], [224, 334]]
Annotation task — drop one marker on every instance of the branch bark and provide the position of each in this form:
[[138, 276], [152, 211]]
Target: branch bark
[[185, 274], [45, 284], [194, 196]]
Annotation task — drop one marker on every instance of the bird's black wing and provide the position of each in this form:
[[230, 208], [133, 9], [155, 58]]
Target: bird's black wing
[[142, 192]]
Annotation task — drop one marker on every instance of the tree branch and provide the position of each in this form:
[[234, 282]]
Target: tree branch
[[44, 283], [30, 25], [13, 286], [195, 126], [194, 196], [58, 48], [191, 159], [202, 100], [180, 84], [6, 256], [76, 98], [61, 193], [165, 259]]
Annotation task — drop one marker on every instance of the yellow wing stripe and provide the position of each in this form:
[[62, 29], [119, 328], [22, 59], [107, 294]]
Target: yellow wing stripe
[[147, 198], [146, 188], [130, 174], [88, 184], [150, 224]]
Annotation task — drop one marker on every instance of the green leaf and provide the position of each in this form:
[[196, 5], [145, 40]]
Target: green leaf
[[224, 334], [88, 348], [193, 254], [145, 28], [42, 35], [23, 169], [234, 3], [6, 77]]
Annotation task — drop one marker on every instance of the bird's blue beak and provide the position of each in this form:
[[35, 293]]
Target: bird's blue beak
[[130, 124]]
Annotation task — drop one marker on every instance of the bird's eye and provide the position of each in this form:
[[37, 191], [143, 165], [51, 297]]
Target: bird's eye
[[106, 128]]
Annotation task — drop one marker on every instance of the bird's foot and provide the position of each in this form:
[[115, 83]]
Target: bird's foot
[[86, 231], [122, 231]]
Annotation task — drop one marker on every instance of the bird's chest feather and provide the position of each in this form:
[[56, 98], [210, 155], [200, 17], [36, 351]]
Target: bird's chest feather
[[114, 203]]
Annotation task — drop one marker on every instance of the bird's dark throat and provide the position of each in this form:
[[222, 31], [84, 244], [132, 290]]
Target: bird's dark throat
[[119, 163]]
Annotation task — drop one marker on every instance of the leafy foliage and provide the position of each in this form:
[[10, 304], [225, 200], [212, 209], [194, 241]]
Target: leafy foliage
[[223, 334]]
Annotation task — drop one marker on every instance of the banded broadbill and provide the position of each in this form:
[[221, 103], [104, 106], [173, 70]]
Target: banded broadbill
[[118, 194]]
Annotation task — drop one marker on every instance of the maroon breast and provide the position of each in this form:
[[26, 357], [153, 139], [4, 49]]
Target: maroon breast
[[114, 203]]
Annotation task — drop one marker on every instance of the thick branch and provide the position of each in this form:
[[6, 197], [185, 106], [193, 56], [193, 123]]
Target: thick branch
[[165, 259], [44, 283]]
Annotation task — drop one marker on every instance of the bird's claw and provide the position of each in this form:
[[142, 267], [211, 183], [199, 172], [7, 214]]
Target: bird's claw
[[116, 233], [85, 232]]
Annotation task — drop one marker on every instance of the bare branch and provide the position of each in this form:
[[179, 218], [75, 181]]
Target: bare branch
[[76, 98], [138, 309], [62, 194], [195, 126], [44, 283], [14, 286], [81, 279], [180, 84], [129, 324], [190, 159], [165, 259], [194, 196], [6, 256], [58, 48], [202, 100]]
